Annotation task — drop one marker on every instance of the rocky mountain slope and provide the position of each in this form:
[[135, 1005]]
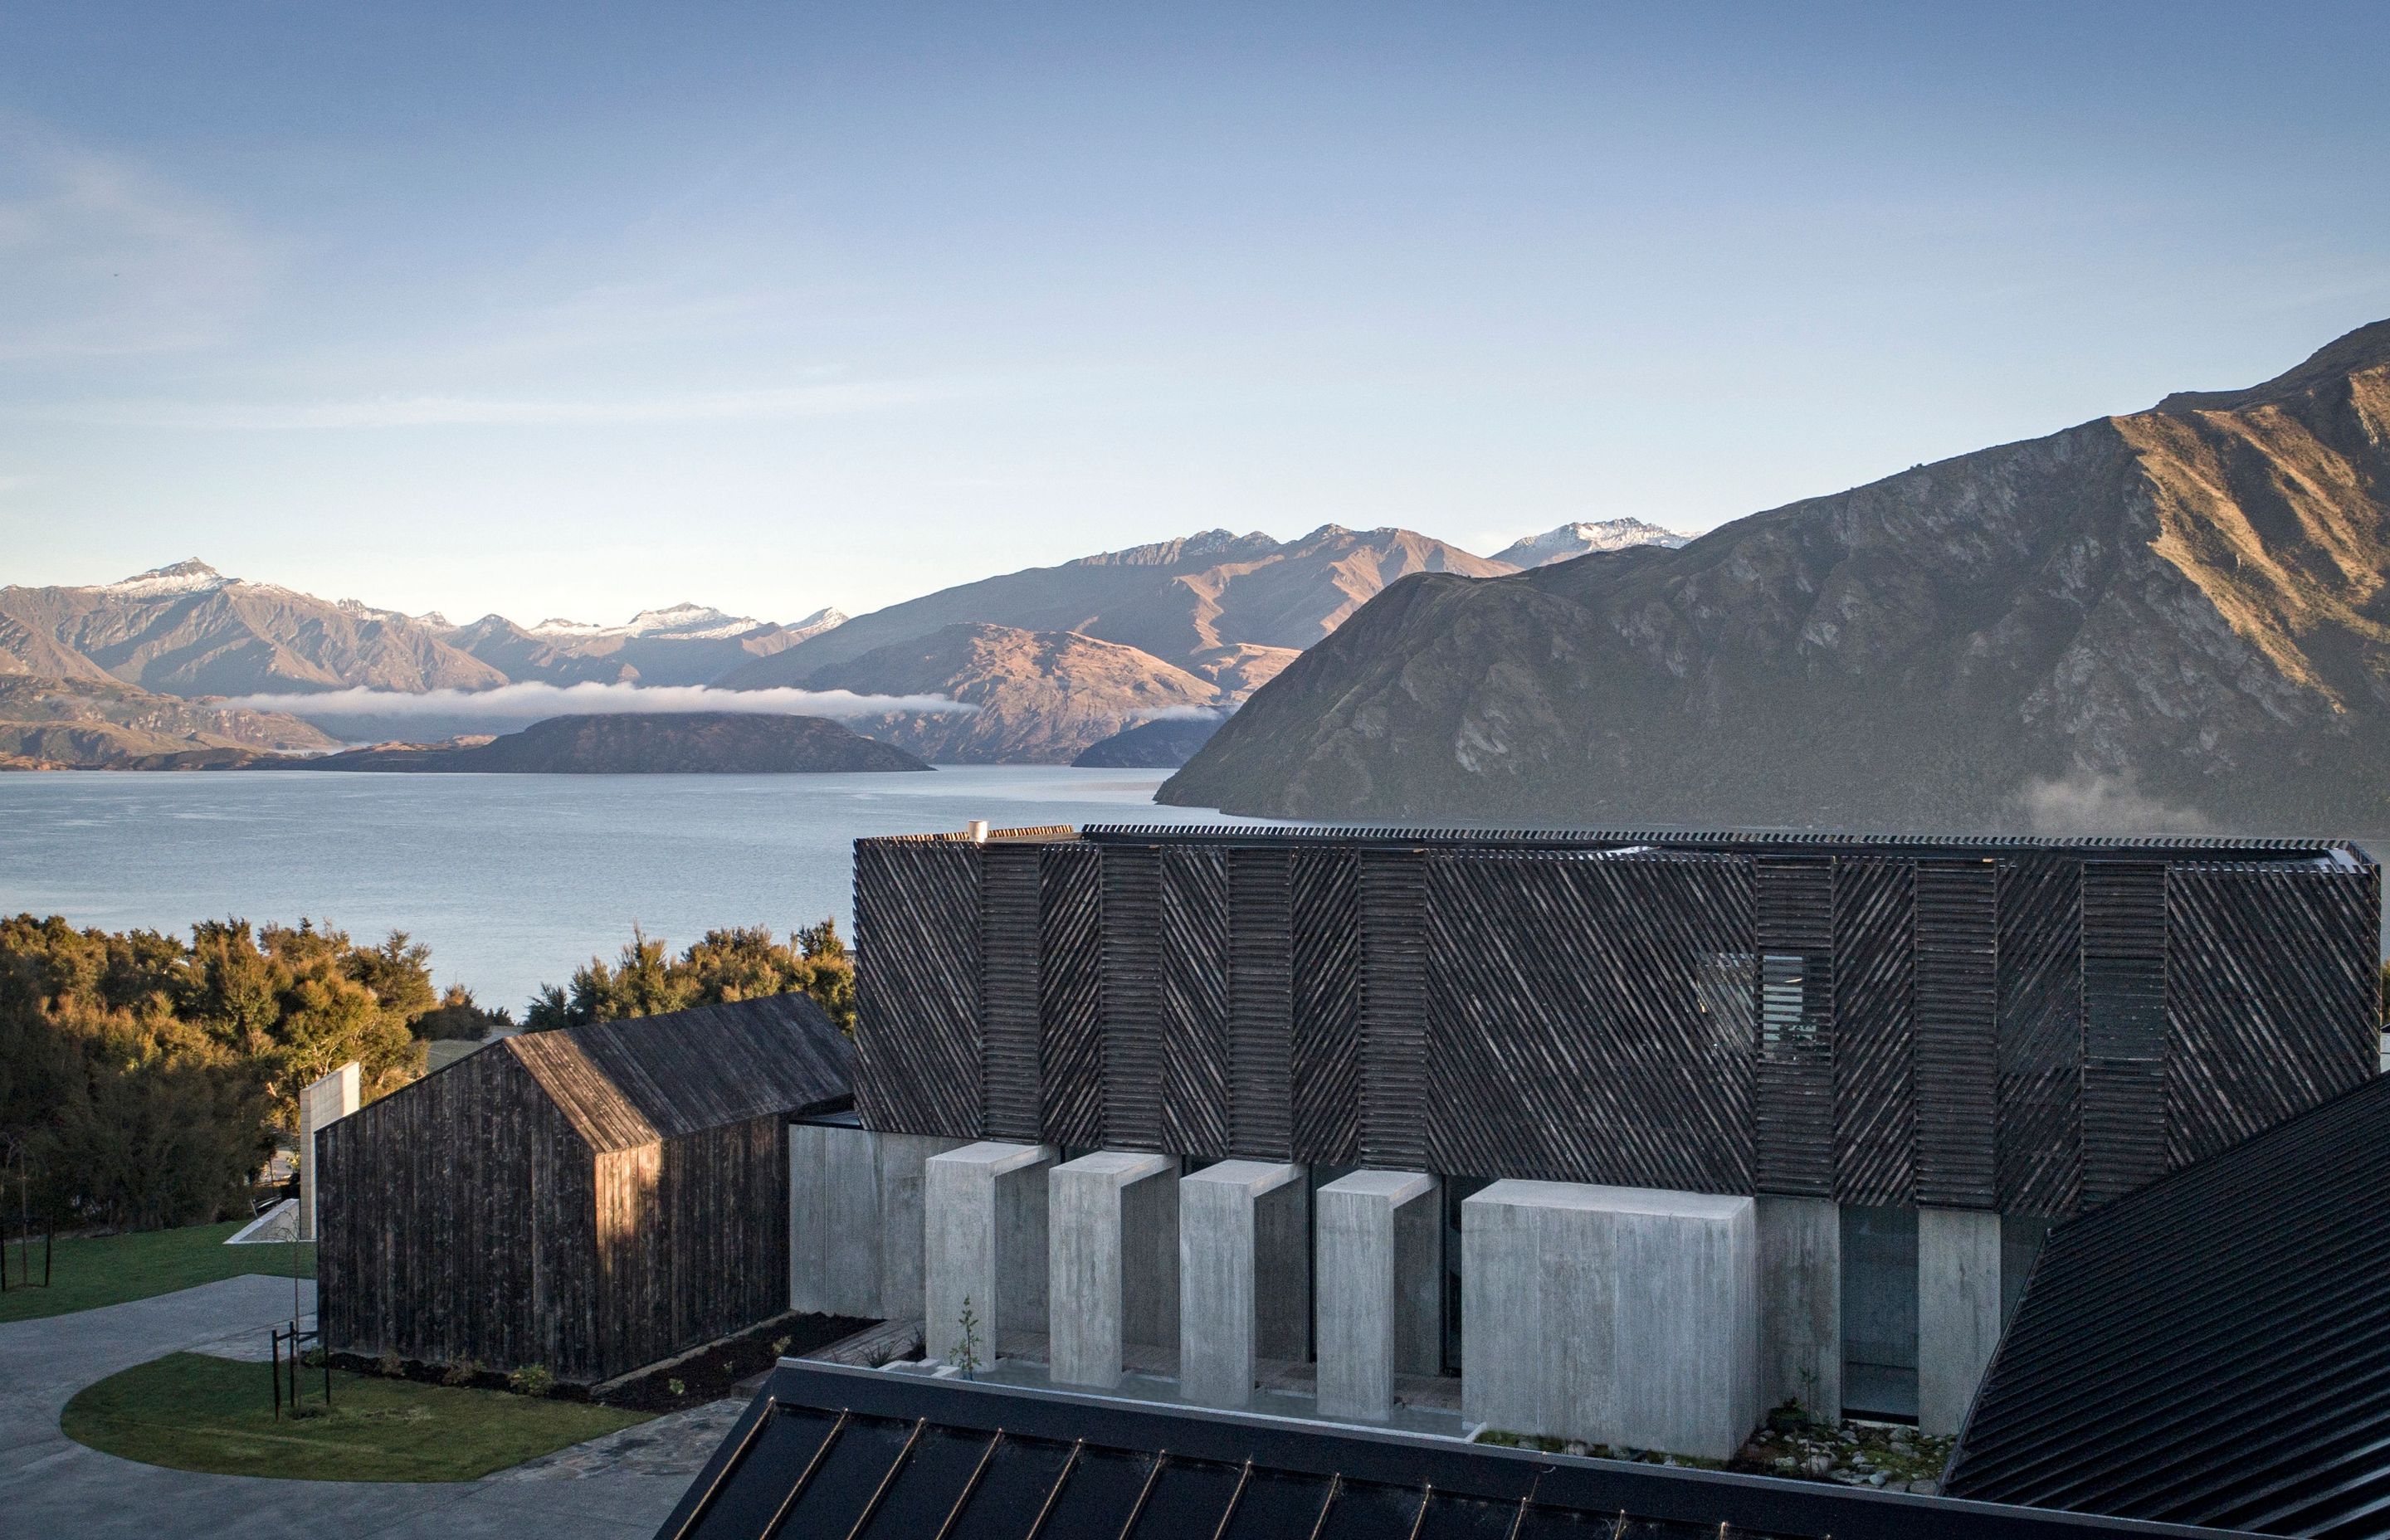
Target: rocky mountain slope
[[2171, 619], [100, 724], [1038, 697], [1163, 744], [1571, 541], [189, 630], [640, 744], [1231, 608]]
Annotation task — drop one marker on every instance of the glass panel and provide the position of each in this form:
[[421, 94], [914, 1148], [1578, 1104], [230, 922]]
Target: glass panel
[[1009, 1496], [1880, 1312], [1276, 1503], [847, 1477], [1454, 1518], [1187, 1499], [925, 1490], [1365, 1510], [1098, 1494], [753, 1490]]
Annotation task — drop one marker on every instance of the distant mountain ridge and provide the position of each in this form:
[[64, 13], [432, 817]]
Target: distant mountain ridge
[[1571, 541], [101, 725], [678, 743], [2177, 617], [1055, 659]]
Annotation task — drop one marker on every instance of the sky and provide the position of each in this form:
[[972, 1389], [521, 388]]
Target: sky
[[561, 310]]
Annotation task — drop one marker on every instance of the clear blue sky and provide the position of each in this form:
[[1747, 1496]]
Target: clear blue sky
[[574, 309]]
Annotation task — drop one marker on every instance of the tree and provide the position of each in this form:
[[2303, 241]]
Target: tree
[[740, 963]]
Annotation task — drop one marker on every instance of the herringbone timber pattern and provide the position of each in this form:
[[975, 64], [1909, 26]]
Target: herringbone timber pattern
[[1011, 1105], [1958, 1013], [1566, 1025], [2123, 1026], [1195, 1000], [1394, 1011], [2040, 1116], [1327, 1048], [2272, 1025], [916, 987], [1069, 992], [1132, 996], [1794, 1087], [1875, 1118], [1261, 1004]]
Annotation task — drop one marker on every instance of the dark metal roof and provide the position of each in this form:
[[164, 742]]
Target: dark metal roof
[[866, 1454], [2214, 1349], [627, 1083], [2167, 847]]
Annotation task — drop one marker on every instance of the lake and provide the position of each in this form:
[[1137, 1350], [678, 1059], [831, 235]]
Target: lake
[[512, 881]]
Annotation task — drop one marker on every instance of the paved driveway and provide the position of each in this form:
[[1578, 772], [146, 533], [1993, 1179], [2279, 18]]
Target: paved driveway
[[52, 1486]]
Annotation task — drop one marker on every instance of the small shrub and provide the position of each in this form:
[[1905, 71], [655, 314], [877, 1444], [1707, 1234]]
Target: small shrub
[[532, 1380], [389, 1365], [780, 1346], [677, 1388], [464, 1371]]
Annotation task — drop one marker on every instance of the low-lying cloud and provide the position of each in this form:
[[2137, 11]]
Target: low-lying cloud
[[515, 702], [2095, 801], [1182, 713]]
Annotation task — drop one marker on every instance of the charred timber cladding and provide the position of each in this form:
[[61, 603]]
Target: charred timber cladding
[[2020, 1026]]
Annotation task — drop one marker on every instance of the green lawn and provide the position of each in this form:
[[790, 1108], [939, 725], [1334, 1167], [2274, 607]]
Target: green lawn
[[195, 1413], [112, 1269]]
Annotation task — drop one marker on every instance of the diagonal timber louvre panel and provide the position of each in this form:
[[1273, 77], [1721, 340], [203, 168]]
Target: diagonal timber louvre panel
[[1070, 992], [2123, 1026], [1875, 1120], [1957, 1007], [1132, 997], [1393, 1010], [2040, 1144], [1794, 1085], [1011, 1104], [1194, 1000], [1327, 1046], [2276, 1016], [917, 986], [1567, 1034], [1261, 1004]]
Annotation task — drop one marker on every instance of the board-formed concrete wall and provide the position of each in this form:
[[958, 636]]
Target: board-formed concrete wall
[[1380, 1241], [1619, 1315], [984, 1229], [1112, 1262], [854, 1220]]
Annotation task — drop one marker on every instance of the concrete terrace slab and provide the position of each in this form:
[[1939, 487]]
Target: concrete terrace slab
[[50, 1485]]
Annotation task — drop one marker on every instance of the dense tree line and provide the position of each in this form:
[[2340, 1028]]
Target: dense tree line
[[145, 1076], [743, 963]]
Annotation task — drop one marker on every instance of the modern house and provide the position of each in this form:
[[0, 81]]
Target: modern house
[[592, 1200], [1637, 1134]]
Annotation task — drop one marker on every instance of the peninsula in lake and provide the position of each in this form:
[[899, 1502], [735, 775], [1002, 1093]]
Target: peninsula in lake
[[658, 743]]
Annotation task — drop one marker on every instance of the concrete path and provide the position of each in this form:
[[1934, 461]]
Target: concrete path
[[50, 1485]]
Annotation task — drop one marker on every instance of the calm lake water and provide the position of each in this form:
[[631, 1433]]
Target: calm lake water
[[512, 880]]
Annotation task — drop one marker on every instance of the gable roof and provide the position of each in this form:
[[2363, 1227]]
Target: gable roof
[[627, 1083], [2214, 1349], [827, 1450]]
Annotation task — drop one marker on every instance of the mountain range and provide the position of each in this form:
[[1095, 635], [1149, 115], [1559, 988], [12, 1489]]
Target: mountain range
[[1054, 658], [2175, 618]]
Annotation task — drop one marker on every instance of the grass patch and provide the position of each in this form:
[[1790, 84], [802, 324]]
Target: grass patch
[[190, 1412], [90, 1271]]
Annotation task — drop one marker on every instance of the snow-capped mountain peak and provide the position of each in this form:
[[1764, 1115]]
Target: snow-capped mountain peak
[[1584, 538], [183, 577], [683, 621]]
